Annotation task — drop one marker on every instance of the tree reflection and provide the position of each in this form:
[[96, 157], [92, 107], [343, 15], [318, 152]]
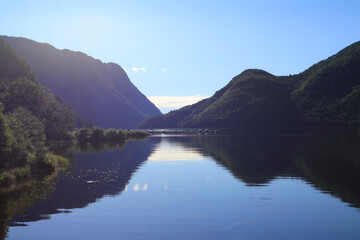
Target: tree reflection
[[15, 199], [328, 159], [97, 171]]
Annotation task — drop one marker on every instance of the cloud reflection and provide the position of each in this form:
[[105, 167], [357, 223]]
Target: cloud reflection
[[170, 152]]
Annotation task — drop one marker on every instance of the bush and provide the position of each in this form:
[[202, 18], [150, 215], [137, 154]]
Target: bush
[[122, 134], [136, 134], [97, 135], [111, 135], [82, 135]]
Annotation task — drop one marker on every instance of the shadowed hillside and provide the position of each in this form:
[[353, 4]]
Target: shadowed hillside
[[101, 93]]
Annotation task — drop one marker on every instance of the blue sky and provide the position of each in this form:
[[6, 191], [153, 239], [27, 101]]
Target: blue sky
[[189, 48]]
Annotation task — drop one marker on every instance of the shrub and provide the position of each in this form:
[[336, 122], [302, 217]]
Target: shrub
[[97, 135], [111, 135]]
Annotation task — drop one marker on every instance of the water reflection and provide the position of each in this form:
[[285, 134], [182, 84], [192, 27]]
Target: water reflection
[[173, 151], [94, 174], [331, 162], [14, 199], [328, 160]]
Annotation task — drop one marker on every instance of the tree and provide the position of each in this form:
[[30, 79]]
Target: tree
[[24, 93], [27, 136], [3, 137]]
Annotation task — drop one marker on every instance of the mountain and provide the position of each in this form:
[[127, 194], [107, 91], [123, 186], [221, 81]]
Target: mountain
[[326, 93], [329, 92], [22, 93], [252, 99], [100, 92]]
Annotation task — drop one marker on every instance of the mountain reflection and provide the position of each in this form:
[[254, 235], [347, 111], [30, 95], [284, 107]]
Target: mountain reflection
[[327, 159], [253, 160]]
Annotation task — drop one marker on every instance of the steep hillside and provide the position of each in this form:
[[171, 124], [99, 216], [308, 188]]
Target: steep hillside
[[330, 90], [326, 93], [101, 93]]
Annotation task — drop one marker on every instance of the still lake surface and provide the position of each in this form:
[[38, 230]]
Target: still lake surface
[[205, 187]]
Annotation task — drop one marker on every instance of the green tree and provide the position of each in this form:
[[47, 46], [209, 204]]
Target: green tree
[[27, 137], [24, 93], [3, 137]]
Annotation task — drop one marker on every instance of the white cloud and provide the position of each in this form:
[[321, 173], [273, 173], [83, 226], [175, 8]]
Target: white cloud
[[174, 102], [164, 70], [137, 70]]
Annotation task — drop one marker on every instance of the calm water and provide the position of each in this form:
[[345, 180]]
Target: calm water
[[205, 187]]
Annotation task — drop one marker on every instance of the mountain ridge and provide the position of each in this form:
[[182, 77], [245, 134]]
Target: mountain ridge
[[326, 93], [100, 92]]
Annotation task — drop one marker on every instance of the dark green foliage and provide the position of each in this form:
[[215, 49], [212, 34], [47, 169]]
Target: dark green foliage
[[25, 93], [3, 138], [82, 135], [327, 93], [97, 135], [93, 135], [58, 118], [136, 134], [121, 134], [112, 135], [26, 137]]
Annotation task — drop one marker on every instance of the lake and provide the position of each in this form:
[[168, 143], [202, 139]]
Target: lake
[[203, 186]]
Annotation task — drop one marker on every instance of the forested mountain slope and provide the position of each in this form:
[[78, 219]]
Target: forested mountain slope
[[29, 116], [326, 93], [100, 92]]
